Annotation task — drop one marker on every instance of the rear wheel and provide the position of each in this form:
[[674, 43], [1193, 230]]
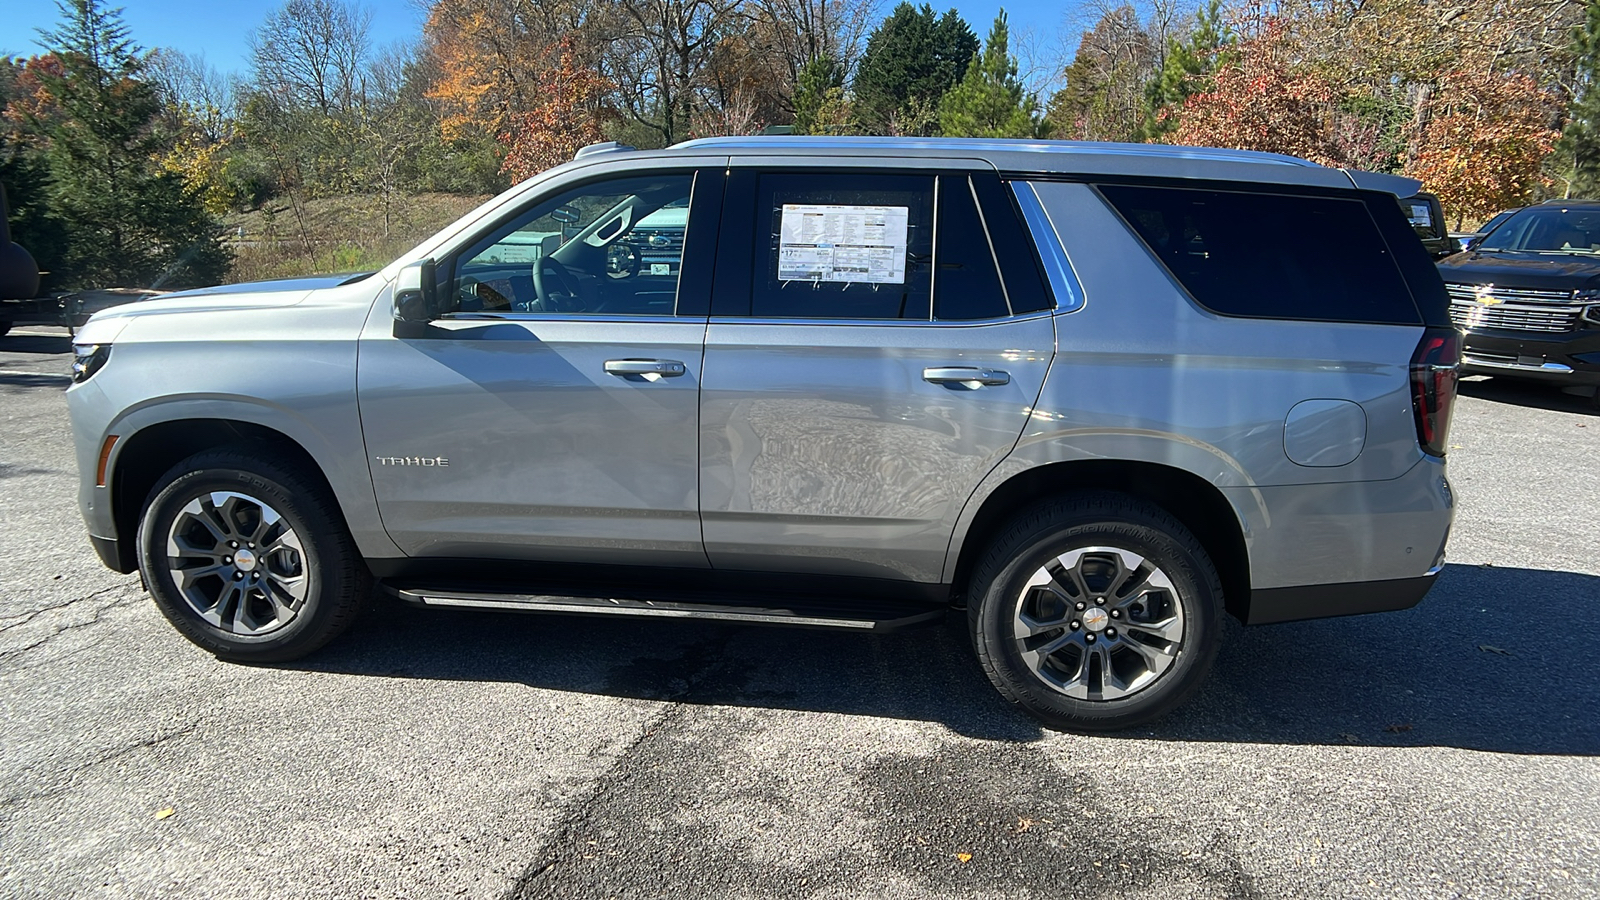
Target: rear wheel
[[1095, 612], [247, 557]]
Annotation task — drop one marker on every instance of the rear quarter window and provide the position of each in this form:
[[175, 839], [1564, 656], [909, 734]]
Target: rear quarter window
[[1275, 256]]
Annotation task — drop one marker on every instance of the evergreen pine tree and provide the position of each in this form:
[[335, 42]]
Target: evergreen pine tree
[[819, 88], [129, 223], [1580, 140], [1183, 75], [991, 101], [911, 60]]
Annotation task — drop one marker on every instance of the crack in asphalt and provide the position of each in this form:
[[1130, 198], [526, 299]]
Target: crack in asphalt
[[9, 470], [26, 618], [9, 622], [70, 776]]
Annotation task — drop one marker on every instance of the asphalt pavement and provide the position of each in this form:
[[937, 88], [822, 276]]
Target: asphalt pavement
[[1452, 750]]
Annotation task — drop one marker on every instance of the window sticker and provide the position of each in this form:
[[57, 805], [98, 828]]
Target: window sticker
[[826, 242]]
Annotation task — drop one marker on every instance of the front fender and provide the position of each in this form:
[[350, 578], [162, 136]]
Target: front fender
[[339, 455]]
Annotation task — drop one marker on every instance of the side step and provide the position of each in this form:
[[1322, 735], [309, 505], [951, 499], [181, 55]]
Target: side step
[[802, 612]]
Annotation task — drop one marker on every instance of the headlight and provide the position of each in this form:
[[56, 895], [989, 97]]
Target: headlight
[[88, 359], [1591, 315]]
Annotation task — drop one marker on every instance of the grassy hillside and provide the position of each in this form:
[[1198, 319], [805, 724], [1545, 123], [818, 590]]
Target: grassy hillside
[[335, 234]]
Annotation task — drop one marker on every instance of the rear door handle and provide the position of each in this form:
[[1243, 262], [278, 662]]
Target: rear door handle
[[970, 376], [648, 369]]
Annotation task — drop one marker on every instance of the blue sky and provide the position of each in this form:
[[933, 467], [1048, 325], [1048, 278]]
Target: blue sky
[[220, 29]]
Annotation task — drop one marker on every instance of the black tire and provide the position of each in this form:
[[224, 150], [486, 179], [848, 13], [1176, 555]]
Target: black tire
[[333, 579], [1060, 527]]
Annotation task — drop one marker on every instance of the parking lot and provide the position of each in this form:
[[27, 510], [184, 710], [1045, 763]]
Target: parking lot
[[1452, 750]]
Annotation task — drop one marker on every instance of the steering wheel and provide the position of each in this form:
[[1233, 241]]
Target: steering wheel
[[550, 280]]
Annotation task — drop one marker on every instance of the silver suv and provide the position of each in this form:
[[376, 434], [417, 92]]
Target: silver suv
[[1095, 395]]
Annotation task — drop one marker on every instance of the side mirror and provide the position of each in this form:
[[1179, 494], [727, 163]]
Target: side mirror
[[416, 300]]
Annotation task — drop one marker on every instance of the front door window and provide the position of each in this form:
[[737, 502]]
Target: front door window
[[610, 248]]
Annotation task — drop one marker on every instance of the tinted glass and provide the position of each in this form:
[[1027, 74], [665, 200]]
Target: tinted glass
[[1247, 254], [1419, 212], [966, 283], [1020, 264], [1495, 222], [609, 248], [1548, 229], [1412, 257], [842, 246]]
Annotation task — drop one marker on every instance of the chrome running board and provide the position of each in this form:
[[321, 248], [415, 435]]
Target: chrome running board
[[806, 612]]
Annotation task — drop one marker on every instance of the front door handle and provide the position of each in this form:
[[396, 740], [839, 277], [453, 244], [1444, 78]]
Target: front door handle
[[967, 376], [648, 369]]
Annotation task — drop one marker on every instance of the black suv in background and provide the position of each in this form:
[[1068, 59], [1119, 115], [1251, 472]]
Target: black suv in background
[[1528, 296]]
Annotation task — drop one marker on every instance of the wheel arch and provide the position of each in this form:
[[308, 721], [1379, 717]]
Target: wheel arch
[[156, 437], [151, 452], [1195, 502]]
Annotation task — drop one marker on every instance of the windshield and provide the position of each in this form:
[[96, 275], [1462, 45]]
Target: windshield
[[1548, 229], [1494, 223]]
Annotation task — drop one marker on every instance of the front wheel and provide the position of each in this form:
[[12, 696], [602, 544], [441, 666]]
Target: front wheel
[[248, 558], [1095, 612]]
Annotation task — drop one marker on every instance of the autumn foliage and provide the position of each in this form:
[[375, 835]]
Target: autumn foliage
[[1485, 142], [568, 115], [1465, 98], [1261, 101]]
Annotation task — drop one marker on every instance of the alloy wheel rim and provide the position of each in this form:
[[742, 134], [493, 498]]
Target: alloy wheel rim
[[237, 563], [1098, 623]]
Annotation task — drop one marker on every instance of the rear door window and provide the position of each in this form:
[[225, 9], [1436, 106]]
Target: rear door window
[[1266, 255], [966, 281], [843, 246]]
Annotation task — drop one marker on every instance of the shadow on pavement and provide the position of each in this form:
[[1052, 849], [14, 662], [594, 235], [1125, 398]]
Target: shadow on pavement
[[1529, 394], [31, 380], [35, 343], [1493, 659]]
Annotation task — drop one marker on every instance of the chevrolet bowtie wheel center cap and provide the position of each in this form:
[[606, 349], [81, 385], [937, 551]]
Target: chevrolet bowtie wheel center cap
[[245, 561], [1096, 619]]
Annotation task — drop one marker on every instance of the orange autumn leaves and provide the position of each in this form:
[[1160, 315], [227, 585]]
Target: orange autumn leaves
[[1485, 144], [1448, 105], [567, 116], [541, 103]]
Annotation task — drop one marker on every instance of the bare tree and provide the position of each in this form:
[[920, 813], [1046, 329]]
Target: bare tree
[[312, 52], [659, 53], [187, 81], [807, 29]]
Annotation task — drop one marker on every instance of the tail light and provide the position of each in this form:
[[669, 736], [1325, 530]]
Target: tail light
[[1434, 368]]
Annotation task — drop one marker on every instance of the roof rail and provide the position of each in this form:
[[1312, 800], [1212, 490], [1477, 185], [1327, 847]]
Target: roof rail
[[602, 147]]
